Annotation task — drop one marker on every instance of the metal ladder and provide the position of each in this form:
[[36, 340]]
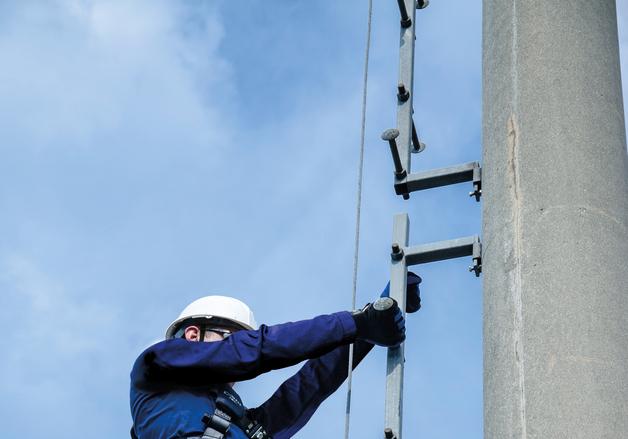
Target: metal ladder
[[403, 141]]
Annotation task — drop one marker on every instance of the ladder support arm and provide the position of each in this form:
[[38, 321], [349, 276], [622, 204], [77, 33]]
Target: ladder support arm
[[442, 177]]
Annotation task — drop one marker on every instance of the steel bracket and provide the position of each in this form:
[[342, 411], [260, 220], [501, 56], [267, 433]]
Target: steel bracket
[[442, 177], [438, 251]]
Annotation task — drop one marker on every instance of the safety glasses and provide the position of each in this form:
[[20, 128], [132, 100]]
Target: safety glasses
[[222, 331]]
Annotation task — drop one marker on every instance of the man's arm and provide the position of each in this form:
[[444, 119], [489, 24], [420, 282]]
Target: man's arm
[[296, 400], [245, 354]]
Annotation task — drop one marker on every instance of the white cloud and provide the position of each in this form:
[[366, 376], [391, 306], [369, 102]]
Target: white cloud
[[75, 72], [52, 338], [52, 318], [102, 102]]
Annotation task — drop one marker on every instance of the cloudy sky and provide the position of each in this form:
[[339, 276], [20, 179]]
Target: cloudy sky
[[156, 151]]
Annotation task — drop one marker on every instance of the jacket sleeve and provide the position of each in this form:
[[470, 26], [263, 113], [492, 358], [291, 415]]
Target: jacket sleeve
[[245, 354], [296, 400]]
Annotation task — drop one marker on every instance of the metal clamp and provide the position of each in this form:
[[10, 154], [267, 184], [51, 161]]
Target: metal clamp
[[477, 183], [477, 266]]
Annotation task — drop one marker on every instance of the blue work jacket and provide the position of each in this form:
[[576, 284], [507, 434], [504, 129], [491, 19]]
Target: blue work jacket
[[171, 381]]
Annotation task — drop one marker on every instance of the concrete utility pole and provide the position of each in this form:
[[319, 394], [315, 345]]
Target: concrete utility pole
[[555, 222]]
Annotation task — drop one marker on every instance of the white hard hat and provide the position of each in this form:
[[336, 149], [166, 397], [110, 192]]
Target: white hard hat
[[217, 310]]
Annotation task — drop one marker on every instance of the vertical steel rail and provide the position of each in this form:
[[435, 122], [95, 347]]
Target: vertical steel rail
[[406, 78], [394, 368], [401, 224]]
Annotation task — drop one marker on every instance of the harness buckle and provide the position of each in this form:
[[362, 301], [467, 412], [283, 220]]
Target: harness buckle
[[230, 410]]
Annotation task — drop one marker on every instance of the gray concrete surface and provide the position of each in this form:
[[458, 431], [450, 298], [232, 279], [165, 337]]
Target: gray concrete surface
[[555, 222]]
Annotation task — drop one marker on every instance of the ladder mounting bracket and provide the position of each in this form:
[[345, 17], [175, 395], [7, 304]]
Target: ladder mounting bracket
[[443, 177]]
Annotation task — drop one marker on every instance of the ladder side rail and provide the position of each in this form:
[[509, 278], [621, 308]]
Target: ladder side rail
[[406, 78], [395, 358]]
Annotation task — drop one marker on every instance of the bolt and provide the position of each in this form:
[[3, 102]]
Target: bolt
[[403, 95], [390, 136], [388, 433], [397, 252], [422, 4], [417, 145], [421, 148], [406, 21]]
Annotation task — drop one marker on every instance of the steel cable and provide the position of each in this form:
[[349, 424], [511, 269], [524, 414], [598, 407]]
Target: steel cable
[[358, 209]]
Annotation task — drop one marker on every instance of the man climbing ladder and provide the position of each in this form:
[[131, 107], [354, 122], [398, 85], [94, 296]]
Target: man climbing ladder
[[182, 387]]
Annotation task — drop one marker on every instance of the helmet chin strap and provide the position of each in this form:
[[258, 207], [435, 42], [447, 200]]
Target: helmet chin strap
[[202, 334]]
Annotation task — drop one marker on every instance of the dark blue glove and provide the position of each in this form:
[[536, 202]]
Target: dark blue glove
[[413, 294], [381, 323]]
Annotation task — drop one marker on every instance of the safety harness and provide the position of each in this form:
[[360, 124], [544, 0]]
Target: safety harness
[[230, 410]]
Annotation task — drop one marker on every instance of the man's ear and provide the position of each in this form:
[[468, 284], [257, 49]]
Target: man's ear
[[192, 333]]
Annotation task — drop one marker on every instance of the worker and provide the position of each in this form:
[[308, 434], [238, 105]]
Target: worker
[[182, 387]]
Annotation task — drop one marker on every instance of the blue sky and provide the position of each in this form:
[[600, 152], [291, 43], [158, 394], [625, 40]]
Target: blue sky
[[157, 151]]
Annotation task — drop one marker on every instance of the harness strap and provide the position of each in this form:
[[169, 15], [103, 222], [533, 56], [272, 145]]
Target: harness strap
[[211, 434], [216, 427], [230, 410]]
